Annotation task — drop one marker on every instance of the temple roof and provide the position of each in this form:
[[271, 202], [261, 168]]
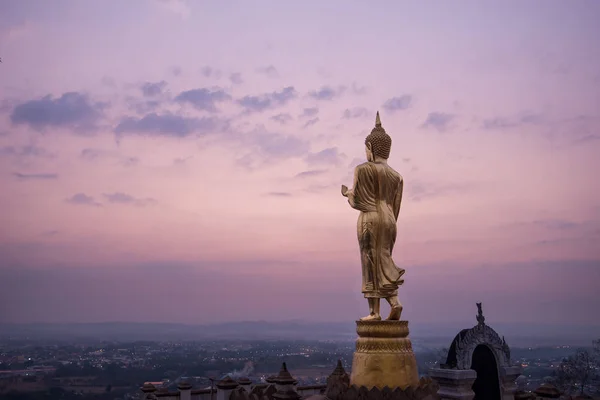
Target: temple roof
[[184, 385], [339, 369], [547, 390], [227, 383], [284, 377], [459, 353], [148, 388]]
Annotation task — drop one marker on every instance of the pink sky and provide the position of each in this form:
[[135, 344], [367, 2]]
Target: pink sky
[[182, 161]]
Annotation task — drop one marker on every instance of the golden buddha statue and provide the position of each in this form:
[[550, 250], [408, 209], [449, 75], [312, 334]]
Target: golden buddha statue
[[377, 194]]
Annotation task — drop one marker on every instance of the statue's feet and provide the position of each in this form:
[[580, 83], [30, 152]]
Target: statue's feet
[[395, 313], [371, 317]]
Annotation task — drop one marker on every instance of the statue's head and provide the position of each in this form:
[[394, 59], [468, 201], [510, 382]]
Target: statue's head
[[378, 143]]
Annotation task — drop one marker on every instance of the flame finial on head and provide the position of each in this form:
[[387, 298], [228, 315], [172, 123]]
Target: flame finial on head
[[377, 120]]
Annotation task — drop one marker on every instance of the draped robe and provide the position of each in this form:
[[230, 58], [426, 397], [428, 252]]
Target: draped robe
[[377, 194]]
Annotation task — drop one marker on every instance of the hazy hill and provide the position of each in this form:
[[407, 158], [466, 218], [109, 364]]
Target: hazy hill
[[516, 334]]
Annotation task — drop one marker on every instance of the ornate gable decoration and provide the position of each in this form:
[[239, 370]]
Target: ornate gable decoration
[[465, 343]]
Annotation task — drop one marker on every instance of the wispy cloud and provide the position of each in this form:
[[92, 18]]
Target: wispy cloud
[[210, 72], [151, 89], [355, 112], [327, 92], [278, 194], [309, 112], [329, 156], [169, 125], [507, 123], [97, 154], [558, 224], [586, 139], [268, 100], [282, 118], [268, 70], [203, 99], [310, 122], [359, 90], [311, 173], [25, 151], [83, 199], [124, 198], [34, 177], [398, 103], [438, 120], [419, 190], [176, 70], [72, 110], [236, 78]]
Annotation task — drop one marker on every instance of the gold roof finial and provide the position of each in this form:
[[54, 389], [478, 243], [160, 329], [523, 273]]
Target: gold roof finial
[[377, 120]]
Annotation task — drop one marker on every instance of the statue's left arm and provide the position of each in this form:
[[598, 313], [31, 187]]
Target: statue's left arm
[[359, 192], [398, 198], [349, 193]]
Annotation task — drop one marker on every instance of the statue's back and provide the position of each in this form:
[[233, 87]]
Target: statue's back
[[389, 183]]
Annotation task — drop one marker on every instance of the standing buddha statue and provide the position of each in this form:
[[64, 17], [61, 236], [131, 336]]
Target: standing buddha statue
[[377, 194]]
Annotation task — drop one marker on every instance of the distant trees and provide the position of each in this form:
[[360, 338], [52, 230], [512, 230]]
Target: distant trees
[[580, 370]]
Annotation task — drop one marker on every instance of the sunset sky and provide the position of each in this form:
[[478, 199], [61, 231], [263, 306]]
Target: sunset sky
[[181, 161]]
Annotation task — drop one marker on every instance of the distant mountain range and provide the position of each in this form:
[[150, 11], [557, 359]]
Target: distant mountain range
[[516, 334]]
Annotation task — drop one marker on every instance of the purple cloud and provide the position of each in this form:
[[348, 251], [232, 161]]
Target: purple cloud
[[506, 123], [144, 106], [419, 190], [311, 122], [210, 72], [278, 194], [309, 112], [24, 151], [279, 145], [83, 199], [124, 198], [108, 82], [269, 71], [586, 139], [310, 173], [355, 112], [236, 78], [167, 125], [95, 154], [34, 177], [282, 118], [358, 90], [557, 224], [438, 120], [268, 100], [203, 99], [151, 89], [329, 156], [72, 109], [398, 103], [176, 71], [327, 93]]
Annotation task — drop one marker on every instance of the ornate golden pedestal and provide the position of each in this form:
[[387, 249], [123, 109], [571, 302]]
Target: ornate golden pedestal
[[384, 356]]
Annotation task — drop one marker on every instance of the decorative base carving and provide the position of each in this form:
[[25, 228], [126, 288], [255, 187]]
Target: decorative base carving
[[425, 390], [455, 384], [384, 356]]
